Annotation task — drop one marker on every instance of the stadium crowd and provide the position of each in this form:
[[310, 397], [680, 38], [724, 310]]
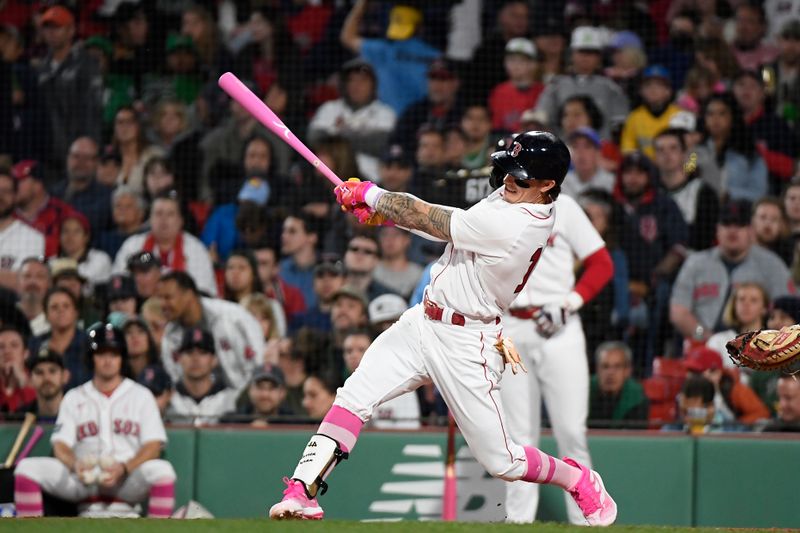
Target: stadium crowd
[[134, 191]]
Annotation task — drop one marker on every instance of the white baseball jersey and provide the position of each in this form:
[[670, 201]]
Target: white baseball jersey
[[495, 247], [573, 237], [92, 423], [238, 339], [18, 242], [208, 410], [198, 262], [557, 365]]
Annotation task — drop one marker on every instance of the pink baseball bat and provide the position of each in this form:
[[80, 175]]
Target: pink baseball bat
[[37, 434], [450, 494], [261, 111]]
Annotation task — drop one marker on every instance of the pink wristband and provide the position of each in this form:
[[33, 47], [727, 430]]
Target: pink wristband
[[372, 196]]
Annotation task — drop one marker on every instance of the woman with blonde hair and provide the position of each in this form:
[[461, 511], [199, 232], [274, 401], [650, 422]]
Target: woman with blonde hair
[[263, 309], [746, 310]]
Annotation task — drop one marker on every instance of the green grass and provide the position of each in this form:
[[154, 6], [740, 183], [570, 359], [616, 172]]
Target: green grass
[[84, 525]]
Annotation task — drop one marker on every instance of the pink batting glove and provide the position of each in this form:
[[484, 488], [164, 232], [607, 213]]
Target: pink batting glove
[[352, 192], [368, 216]]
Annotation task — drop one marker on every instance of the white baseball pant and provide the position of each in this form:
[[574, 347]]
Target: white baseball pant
[[558, 372], [54, 478], [463, 364]]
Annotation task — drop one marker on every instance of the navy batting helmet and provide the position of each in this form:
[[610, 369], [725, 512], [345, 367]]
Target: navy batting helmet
[[103, 336], [532, 155]]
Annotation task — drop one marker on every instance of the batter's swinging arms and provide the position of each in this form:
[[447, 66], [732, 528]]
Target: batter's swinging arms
[[453, 338]]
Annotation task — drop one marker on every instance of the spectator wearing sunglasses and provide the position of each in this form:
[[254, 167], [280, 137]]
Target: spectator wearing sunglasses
[[360, 260]]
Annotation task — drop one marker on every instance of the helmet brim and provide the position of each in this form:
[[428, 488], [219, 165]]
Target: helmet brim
[[508, 164]]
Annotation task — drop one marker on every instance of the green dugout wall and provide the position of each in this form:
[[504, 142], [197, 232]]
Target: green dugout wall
[[655, 478]]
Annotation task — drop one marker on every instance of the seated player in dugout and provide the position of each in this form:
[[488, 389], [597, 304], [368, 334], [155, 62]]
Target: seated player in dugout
[[119, 463], [492, 249]]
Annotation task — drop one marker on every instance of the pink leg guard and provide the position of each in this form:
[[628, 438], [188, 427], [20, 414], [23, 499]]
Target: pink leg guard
[[342, 426], [27, 497], [546, 469], [162, 499]]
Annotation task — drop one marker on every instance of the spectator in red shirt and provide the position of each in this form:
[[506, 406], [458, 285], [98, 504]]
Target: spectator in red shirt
[[509, 99], [36, 207], [15, 391]]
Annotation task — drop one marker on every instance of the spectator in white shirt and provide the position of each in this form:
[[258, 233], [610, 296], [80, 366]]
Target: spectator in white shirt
[[175, 248], [587, 171], [358, 116], [238, 338], [94, 265], [34, 282], [18, 241]]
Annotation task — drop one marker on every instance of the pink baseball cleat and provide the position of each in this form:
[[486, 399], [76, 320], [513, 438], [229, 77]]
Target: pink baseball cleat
[[296, 505], [591, 496]]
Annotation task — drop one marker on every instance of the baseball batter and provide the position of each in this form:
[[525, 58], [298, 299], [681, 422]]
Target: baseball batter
[[547, 330], [106, 441], [450, 338]]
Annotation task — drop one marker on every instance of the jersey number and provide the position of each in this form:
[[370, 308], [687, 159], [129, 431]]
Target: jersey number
[[534, 259]]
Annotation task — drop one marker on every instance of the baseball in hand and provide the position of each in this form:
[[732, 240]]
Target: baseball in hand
[[89, 477]]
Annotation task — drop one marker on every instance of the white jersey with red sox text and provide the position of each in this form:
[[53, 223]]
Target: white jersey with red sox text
[[495, 247], [92, 423], [573, 237]]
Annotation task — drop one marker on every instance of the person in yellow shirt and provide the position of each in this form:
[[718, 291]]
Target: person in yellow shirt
[[653, 116]]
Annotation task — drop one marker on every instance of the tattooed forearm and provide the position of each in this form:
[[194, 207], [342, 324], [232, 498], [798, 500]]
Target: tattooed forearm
[[410, 212]]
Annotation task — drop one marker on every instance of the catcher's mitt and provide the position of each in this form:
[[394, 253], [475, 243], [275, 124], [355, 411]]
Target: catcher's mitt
[[766, 349]]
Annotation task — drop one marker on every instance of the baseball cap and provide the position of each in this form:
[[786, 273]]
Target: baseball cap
[[350, 292], [44, 355], [396, 155], [27, 168], [121, 287], [538, 116], [521, 46], [403, 21], [143, 261], [656, 71], [358, 64], [735, 213], [255, 190], [64, 267], [329, 264], [701, 358], [156, 379], [110, 153], [58, 16], [625, 39], [587, 133], [683, 120], [636, 160], [789, 305], [587, 38], [269, 372], [100, 42], [441, 69], [197, 337], [176, 41], [386, 307], [791, 30]]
